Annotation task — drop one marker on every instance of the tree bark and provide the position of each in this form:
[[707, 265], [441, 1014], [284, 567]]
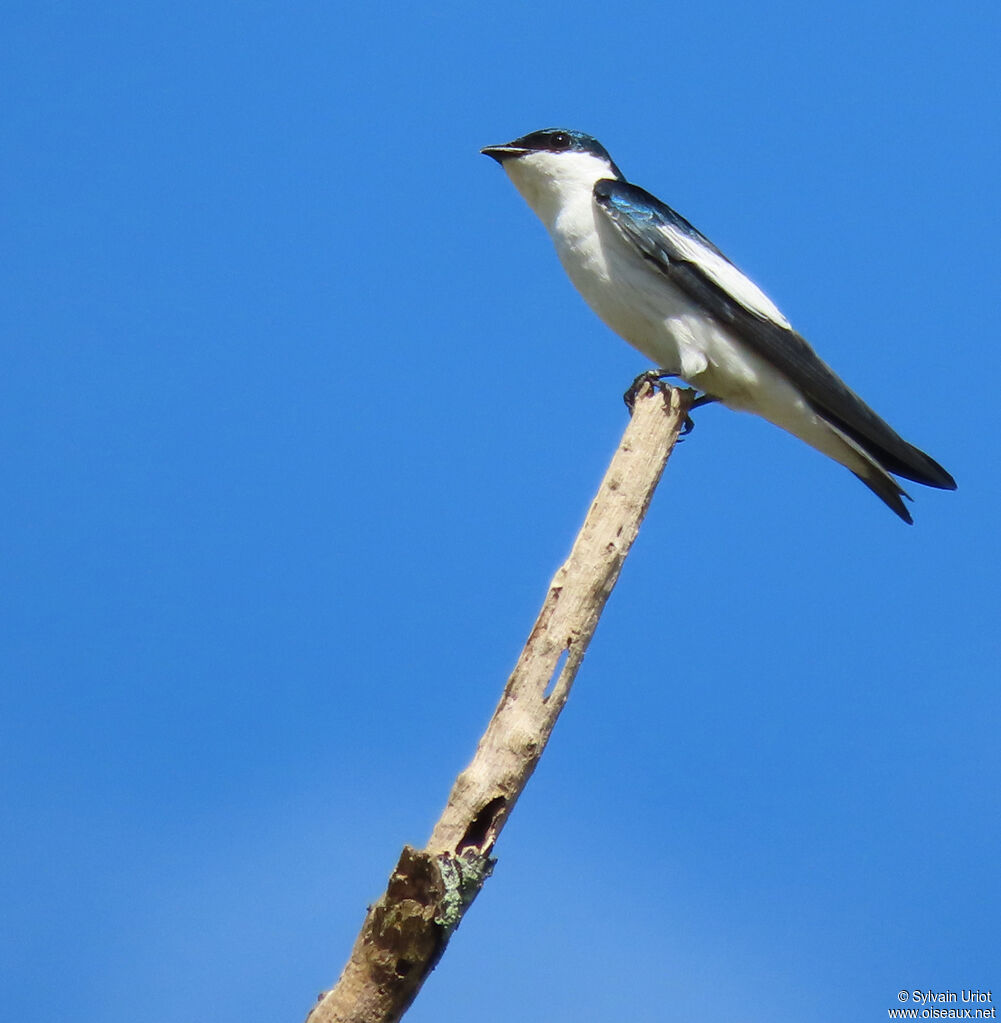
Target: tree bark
[[406, 931]]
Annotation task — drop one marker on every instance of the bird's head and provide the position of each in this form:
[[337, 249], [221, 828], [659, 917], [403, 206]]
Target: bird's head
[[554, 166]]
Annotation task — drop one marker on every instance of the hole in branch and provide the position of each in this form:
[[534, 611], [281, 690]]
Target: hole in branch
[[557, 671], [478, 832]]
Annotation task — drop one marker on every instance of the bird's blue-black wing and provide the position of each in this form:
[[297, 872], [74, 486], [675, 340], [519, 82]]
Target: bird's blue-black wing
[[691, 262]]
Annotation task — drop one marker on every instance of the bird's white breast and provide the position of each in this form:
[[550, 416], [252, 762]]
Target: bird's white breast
[[638, 303], [635, 300]]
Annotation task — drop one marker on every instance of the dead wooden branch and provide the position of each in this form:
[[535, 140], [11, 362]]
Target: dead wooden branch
[[406, 931]]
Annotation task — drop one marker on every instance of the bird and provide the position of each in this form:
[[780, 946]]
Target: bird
[[671, 293]]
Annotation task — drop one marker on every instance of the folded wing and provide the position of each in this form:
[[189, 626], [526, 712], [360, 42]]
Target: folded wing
[[691, 262]]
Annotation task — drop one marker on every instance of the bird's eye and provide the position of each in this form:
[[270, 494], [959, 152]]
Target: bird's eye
[[561, 140]]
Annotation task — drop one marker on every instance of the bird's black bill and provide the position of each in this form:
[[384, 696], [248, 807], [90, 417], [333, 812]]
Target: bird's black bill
[[505, 152]]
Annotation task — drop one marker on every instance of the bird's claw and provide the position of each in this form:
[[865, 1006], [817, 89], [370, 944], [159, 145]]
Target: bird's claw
[[656, 378], [653, 377], [688, 424]]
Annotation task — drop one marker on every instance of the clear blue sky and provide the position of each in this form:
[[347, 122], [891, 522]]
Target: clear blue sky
[[298, 416]]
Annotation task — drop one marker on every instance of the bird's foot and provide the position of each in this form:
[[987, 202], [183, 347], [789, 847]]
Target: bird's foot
[[654, 377], [689, 424]]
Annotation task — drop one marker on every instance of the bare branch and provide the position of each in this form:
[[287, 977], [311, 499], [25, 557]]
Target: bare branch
[[406, 931]]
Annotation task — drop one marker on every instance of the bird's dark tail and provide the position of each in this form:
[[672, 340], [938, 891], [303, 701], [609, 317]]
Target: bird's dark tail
[[878, 464], [881, 444], [886, 488]]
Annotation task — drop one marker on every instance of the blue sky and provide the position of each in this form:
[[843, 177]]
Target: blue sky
[[299, 415]]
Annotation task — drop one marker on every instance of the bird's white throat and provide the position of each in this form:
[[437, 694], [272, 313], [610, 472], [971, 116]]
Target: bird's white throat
[[552, 183]]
